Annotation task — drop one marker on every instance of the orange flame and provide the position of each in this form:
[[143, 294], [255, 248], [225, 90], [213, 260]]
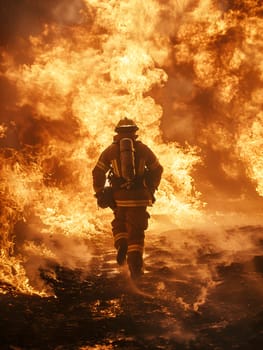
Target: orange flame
[[79, 80]]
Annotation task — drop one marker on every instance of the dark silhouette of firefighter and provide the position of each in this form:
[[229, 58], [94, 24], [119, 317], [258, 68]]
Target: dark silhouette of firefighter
[[134, 174]]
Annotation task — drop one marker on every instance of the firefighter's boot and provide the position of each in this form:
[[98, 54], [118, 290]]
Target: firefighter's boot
[[135, 263]]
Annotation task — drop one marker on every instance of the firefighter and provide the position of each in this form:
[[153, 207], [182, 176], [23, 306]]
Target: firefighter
[[134, 174]]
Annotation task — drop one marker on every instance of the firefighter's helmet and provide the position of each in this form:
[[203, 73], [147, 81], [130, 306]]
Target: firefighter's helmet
[[126, 125]]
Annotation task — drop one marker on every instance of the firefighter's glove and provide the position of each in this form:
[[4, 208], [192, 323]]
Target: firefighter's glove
[[105, 198]]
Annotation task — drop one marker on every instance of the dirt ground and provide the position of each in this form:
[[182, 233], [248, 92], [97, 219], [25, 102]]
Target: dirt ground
[[178, 304]]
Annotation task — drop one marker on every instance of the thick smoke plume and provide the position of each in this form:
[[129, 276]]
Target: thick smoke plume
[[20, 19]]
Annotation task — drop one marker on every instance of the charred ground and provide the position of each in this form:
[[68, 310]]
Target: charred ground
[[105, 310]]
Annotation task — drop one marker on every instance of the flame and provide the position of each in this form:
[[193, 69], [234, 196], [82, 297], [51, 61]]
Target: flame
[[106, 60], [249, 147]]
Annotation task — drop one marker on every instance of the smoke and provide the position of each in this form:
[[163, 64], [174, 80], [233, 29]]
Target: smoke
[[20, 19], [187, 266], [43, 252]]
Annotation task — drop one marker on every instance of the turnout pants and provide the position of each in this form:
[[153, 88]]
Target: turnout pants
[[128, 229]]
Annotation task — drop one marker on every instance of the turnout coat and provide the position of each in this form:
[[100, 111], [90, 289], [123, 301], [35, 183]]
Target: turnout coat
[[147, 168]]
